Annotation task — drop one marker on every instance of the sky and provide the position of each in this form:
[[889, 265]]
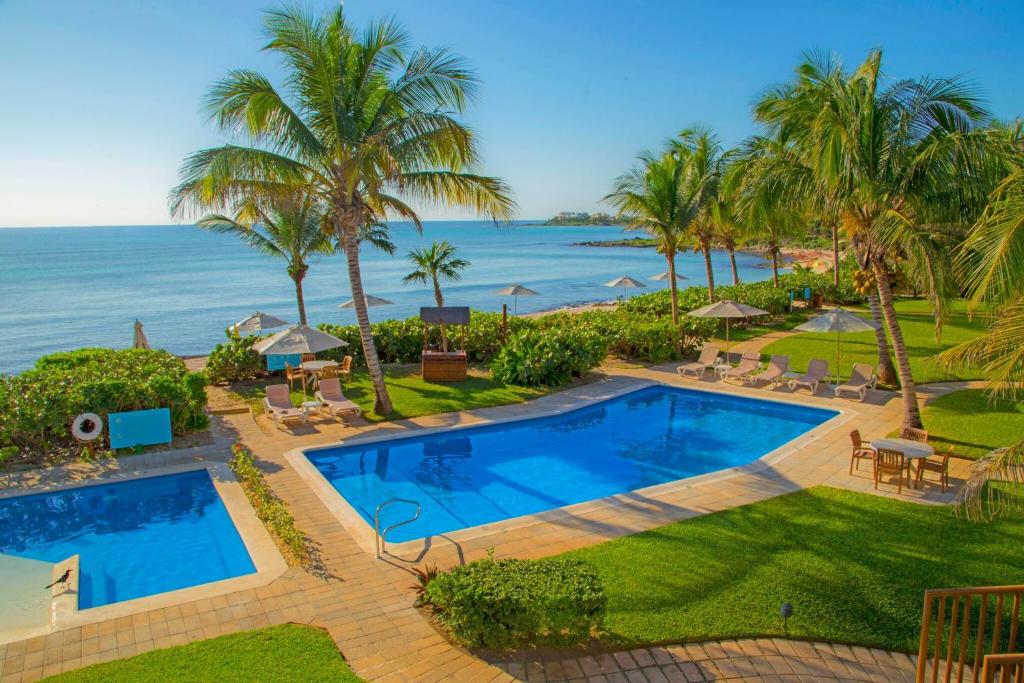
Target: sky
[[100, 100]]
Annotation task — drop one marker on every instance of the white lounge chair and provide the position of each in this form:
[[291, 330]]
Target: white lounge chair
[[708, 359], [774, 373], [333, 401], [280, 408], [749, 363], [817, 370], [861, 379]]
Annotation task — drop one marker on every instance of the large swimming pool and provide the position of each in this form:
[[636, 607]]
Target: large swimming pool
[[485, 474], [134, 538]]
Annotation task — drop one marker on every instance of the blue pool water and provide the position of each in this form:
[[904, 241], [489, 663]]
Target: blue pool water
[[486, 474], [135, 538]]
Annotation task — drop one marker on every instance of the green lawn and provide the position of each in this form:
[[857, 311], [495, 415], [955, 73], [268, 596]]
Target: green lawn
[[412, 396], [918, 327], [778, 323], [972, 423], [854, 567], [280, 653]]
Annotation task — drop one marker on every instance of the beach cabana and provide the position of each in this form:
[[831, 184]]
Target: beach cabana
[[444, 366]]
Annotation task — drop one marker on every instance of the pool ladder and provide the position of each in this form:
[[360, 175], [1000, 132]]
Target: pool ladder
[[381, 536]]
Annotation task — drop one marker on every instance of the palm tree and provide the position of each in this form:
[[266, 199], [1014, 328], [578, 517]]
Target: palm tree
[[362, 121], [893, 163], [285, 227], [433, 263], [653, 193]]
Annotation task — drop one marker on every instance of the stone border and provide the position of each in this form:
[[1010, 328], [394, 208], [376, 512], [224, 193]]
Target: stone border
[[263, 552], [364, 534]]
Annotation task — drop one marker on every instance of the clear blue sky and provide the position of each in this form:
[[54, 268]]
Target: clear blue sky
[[100, 98]]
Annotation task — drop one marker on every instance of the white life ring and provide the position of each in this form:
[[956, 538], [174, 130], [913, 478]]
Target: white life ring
[[78, 427]]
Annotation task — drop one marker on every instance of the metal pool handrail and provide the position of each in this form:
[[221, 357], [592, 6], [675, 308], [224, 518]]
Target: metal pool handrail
[[380, 537]]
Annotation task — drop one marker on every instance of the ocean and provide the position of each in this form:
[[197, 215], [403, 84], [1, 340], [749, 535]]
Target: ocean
[[65, 288]]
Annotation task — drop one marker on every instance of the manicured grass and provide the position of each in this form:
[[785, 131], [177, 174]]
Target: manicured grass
[[853, 565], [918, 327], [786, 321], [972, 423], [280, 653], [412, 396]]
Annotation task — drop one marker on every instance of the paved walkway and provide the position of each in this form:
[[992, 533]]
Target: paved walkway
[[365, 604]]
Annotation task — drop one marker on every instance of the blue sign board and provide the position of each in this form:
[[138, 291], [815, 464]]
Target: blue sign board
[[277, 362], [140, 428]]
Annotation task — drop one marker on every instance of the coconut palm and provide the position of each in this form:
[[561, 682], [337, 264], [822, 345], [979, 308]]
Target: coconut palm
[[433, 263], [289, 228], [361, 120], [893, 164]]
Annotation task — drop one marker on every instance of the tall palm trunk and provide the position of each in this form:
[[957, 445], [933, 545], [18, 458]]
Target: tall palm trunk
[[911, 411], [886, 370], [440, 302], [298, 297], [835, 254], [775, 266], [382, 402], [673, 292], [705, 248], [732, 262]]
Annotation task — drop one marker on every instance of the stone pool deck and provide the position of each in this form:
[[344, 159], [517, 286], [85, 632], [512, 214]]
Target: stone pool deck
[[365, 604]]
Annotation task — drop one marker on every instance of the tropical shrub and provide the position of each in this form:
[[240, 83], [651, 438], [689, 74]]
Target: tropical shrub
[[550, 356], [500, 603], [763, 295], [234, 360], [269, 508], [645, 338], [38, 406]]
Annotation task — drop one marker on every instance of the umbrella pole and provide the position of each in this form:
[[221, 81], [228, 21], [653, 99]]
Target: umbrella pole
[[837, 359]]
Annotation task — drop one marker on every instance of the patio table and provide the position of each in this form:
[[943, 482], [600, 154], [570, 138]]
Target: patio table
[[911, 450], [315, 367]]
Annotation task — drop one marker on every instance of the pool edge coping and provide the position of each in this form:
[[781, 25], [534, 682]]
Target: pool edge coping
[[363, 533]]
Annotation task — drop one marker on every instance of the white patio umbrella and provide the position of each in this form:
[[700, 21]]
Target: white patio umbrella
[[257, 322], [837, 320], [371, 301], [140, 341], [726, 309], [662, 277], [516, 291], [297, 339], [626, 282]]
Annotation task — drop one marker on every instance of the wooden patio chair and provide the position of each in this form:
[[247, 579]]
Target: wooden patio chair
[[888, 461], [861, 451], [291, 374], [345, 370], [307, 356], [915, 434], [330, 372], [938, 465]]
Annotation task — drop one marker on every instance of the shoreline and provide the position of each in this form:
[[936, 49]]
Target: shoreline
[[802, 256]]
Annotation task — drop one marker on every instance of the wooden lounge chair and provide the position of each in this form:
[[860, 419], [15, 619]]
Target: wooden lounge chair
[[280, 408], [914, 434], [333, 401], [749, 363], [938, 465], [817, 370], [890, 462], [775, 373], [861, 451], [861, 379], [708, 359]]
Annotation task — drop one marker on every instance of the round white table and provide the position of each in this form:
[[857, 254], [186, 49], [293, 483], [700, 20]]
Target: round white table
[[911, 450], [315, 367]]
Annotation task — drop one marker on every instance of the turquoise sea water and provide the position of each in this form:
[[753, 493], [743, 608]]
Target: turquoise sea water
[[63, 288]]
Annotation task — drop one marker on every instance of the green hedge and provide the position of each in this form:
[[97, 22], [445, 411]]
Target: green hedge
[[38, 406], [500, 603], [234, 360], [646, 338], [549, 356]]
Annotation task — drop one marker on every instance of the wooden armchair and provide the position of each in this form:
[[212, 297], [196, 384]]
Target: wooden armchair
[[291, 374], [938, 465], [914, 434], [891, 462], [307, 356], [861, 451]]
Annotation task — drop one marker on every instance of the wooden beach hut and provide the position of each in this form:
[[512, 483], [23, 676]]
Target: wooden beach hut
[[444, 366]]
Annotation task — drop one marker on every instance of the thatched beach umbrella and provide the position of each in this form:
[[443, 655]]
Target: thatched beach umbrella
[[837, 320], [257, 322], [726, 309], [297, 340], [516, 291], [140, 341]]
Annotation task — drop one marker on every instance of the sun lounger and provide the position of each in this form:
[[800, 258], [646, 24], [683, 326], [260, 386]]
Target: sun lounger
[[280, 408], [708, 359], [333, 401], [817, 370], [749, 363], [775, 373], [861, 379]]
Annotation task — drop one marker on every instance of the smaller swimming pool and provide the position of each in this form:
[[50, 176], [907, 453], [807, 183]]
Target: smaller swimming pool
[[134, 538], [478, 475]]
